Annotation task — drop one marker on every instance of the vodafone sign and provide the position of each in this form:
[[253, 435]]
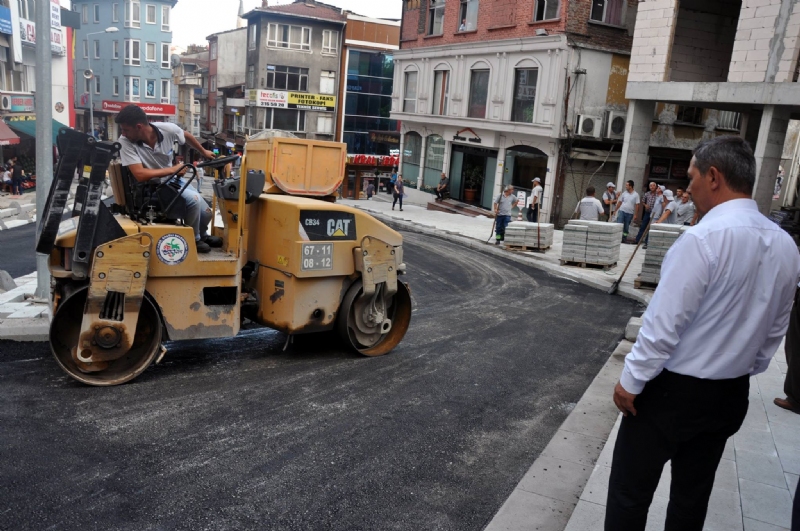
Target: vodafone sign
[[151, 109]]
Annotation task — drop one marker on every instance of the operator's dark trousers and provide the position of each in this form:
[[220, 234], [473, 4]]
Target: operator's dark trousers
[[533, 214], [683, 419], [791, 386]]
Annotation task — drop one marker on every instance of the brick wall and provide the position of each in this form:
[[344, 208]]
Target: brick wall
[[702, 46], [598, 36], [757, 54], [652, 39]]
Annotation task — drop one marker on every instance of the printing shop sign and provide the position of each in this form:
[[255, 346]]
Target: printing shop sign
[[291, 100]]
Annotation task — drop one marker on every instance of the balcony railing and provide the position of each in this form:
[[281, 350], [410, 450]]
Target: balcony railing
[[729, 120]]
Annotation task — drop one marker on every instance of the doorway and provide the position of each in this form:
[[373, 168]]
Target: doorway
[[472, 174]]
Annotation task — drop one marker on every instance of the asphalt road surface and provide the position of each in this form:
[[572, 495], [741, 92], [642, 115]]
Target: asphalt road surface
[[237, 434], [17, 250]]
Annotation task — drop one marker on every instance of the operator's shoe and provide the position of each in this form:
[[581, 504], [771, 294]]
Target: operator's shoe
[[213, 241], [202, 247], [788, 404]]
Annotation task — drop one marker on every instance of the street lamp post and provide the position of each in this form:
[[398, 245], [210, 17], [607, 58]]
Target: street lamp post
[[112, 29]]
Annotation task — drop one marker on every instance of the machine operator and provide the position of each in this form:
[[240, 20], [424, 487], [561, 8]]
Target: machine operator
[[147, 151]]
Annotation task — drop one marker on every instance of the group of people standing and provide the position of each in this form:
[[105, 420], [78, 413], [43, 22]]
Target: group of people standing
[[13, 176]]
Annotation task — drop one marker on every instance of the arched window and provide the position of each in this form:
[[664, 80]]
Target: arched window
[[441, 91], [434, 160], [478, 92], [412, 150]]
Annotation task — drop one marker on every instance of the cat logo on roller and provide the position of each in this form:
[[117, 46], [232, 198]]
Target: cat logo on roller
[[338, 228]]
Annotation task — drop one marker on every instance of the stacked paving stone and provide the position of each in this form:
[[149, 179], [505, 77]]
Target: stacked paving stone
[[524, 234], [661, 238], [574, 246], [603, 241]]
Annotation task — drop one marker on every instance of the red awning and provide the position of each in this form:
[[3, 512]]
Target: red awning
[[7, 136]]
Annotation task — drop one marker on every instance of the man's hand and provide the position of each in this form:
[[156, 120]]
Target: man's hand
[[208, 154], [624, 400], [180, 169]]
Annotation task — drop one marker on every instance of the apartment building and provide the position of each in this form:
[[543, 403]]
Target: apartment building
[[502, 92], [187, 87], [226, 87], [126, 46], [292, 68]]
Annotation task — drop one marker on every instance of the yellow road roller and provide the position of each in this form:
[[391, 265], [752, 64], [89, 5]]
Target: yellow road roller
[[126, 275]]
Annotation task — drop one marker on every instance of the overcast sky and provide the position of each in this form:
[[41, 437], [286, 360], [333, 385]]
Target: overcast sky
[[194, 20]]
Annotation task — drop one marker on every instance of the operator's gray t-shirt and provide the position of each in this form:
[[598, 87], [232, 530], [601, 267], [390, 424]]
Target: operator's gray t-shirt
[[159, 156], [629, 202], [506, 204]]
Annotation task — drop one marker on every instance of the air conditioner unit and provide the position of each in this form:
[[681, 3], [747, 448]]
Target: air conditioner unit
[[589, 126], [5, 103], [615, 127]]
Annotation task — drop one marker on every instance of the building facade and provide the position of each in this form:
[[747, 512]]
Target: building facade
[[495, 93], [129, 66], [226, 87], [293, 67], [187, 87]]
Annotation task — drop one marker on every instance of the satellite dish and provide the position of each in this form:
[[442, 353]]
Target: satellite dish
[[175, 60], [88, 74]]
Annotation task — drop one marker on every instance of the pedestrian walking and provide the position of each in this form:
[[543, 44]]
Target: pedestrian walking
[[503, 203], [535, 201], [647, 209], [609, 199], [685, 384], [397, 192], [390, 184], [589, 207], [791, 384], [370, 190], [17, 176], [626, 208]]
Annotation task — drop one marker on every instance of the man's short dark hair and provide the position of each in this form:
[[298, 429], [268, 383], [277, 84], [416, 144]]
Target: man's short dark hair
[[732, 157], [630, 182], [131, 115], [590, 190]]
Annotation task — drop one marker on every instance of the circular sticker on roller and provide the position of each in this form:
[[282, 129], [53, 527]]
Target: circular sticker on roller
[[172, 249]]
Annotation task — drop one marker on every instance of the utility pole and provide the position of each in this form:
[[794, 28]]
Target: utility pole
[[44, 134]]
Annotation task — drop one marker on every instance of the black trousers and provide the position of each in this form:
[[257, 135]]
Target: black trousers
[[396, 198], [440, 193], [791, 386], [682, 419], [533, 214]]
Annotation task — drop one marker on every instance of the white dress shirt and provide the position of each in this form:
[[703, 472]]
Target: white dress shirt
[[735, 274]]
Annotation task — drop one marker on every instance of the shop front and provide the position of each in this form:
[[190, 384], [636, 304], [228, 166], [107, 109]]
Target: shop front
[[156, 112], [363, 170]]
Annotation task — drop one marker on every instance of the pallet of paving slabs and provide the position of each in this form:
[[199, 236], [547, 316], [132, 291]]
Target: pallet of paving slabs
[[661, 237], [603, 241], [573, 248], [526, 234]]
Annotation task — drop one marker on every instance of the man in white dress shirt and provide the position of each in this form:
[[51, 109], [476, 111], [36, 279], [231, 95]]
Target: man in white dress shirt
[[684, 388]]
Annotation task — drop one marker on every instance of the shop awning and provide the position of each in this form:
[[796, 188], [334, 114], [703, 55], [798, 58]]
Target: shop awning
[[7, 136], [28, 127]]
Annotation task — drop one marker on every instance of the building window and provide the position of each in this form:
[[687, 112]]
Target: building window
[[96, 9], [330, 41], [150, 52], [286, 36], [85, 49], [133, 14], [441, 90], [435, 17], [478, 93], [114, 12], [132, 89], [608, 11], [324, 124], [251, 76], [213, 117], [213, 83], [84, 14], [408, 5], [115, 85], [252, 33], [524, 94], [410, 93], [115, 50], [165, 18], [689, 115], [164, 55], [286, 119], [150, 88], [132, 53], [87, 85], [287, 78], [97, 84], [468, 18], [327, 82], [150, 14], [213, 51], [96, 49], [545, 10], [165, 88]]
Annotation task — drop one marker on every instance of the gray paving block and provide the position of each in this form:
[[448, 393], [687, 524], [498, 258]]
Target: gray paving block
[[574, 447], [724, 511], [524, 509], [766, 503], [786, 442], [587, 516], [763, 468], [632, 328], [557, 479], [755, 525], [791, 481], [726, 477]]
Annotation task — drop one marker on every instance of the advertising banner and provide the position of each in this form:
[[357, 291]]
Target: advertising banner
[[292, 100]]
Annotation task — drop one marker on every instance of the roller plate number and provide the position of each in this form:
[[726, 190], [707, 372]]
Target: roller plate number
[[317, 257]]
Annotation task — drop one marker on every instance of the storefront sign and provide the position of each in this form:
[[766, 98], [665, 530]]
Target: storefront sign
[[474, 138], [30, 117], [27, 33], [151, 109], [291, 100], [16, 102], [55, 14], [5, 21], [373, 160], [386, 138]]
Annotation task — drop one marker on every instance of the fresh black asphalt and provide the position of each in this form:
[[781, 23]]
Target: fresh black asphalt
[[237, 434], [17, 254]]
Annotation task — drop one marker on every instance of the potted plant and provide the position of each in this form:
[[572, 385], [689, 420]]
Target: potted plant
[[473, 177]]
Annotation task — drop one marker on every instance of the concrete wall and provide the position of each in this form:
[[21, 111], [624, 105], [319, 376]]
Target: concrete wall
[[232, 54], [702, 45], [766, 47]]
